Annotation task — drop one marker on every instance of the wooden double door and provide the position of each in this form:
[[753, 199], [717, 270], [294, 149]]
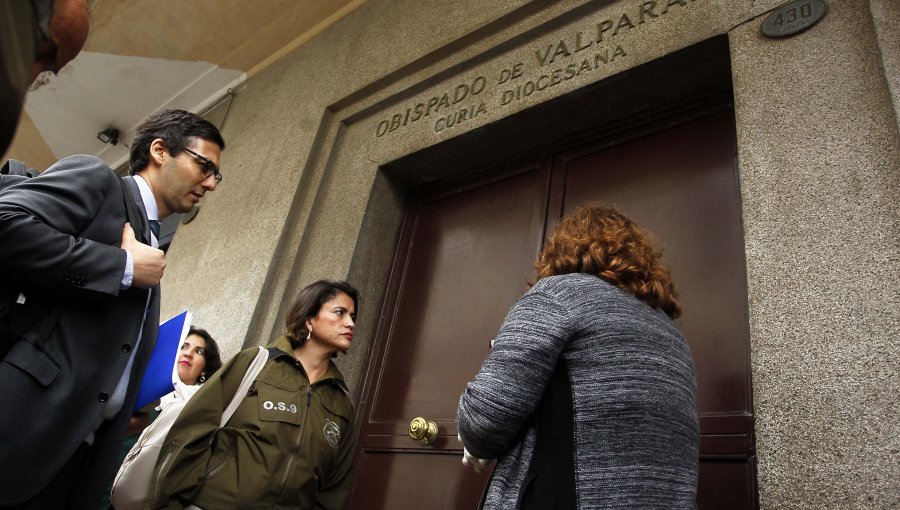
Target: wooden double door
[[465, 253]]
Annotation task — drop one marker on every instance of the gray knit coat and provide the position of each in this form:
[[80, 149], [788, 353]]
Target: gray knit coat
[[587, 400]]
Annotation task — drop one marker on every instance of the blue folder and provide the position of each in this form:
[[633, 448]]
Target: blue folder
[[161, 373]]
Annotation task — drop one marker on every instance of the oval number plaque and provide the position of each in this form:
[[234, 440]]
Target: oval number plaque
[[794, 17]]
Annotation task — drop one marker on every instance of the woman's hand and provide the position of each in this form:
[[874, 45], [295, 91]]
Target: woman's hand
[[468, 460]]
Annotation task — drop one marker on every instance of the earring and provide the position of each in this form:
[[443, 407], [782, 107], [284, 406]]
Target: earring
[[308, 331], [203, 377]]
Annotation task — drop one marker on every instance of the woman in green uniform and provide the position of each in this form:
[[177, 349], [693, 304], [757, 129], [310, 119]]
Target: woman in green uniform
[[289, 443]]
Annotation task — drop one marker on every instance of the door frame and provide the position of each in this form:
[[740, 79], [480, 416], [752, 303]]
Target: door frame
[[403, 182]]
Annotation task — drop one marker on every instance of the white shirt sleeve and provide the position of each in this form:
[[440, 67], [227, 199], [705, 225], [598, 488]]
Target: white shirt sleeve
[[128, 276]]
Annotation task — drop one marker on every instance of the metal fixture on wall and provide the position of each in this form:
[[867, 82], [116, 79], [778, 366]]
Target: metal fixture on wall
[[109, 135]]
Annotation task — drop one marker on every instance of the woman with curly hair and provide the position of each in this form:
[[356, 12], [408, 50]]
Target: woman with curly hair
[[587, 399]]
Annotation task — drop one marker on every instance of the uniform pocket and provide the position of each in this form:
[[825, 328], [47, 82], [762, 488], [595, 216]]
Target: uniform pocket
[[223, 451], [278, 404], [335, 418], [338, 406]]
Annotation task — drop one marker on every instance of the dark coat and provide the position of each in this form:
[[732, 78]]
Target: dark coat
[[60, 234]]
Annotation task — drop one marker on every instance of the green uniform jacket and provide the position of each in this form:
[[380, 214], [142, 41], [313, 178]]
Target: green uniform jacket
[[288, 445]]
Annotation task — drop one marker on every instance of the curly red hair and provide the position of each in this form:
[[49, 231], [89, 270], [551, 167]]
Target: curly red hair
[[599, 240]]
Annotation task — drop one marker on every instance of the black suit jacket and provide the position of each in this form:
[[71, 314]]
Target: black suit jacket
[[60, 234]]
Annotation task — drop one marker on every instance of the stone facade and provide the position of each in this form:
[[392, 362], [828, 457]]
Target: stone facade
[[819, 165]]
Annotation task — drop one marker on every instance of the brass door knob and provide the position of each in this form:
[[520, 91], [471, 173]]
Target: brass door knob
[[423, 430]]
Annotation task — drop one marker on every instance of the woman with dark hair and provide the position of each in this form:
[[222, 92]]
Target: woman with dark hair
[[198, 357], [197, 360], [289, 443], [587, 399]]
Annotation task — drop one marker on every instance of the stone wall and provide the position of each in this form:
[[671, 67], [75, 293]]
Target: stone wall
[[818, 157]]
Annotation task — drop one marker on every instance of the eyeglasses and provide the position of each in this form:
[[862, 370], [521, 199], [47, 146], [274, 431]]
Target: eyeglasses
[[209, 168]]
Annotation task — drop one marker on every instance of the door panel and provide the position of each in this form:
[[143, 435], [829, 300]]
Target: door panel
[[727, 482], [681, 184], [416, 480], [464, 256], [465, 253], [467, 262]]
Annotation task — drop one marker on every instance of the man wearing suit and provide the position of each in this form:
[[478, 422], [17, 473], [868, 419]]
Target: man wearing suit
[[78, 258]]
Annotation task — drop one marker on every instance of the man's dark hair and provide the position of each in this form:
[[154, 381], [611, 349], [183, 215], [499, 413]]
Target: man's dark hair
[[175, 128]]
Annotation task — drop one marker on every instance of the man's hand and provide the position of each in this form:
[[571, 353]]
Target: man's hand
[[149, 262]]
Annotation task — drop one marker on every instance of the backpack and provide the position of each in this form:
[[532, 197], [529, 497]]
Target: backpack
[[131, 487]]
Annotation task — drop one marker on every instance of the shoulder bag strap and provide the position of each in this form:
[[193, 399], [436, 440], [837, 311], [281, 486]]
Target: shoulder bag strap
[[134, 214], [255, 367]]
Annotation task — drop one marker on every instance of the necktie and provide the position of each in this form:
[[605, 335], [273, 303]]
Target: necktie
[[154, 227]]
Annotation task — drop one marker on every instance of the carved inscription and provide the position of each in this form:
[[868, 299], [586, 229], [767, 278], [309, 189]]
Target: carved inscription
[[549, 64], [560, 75], [435, 106]]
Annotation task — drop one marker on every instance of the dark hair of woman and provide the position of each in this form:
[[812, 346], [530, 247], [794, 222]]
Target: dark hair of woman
[[211, 353], [308, 302], [599, 240]]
